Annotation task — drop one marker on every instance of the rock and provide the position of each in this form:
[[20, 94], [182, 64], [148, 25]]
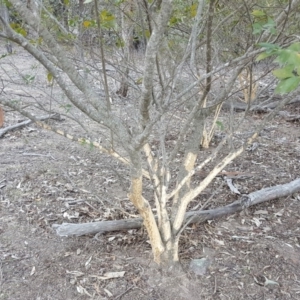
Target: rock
[[200, 266]]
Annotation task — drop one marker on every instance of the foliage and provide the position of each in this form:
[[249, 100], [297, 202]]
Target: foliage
[[262, 22], [288, 59]]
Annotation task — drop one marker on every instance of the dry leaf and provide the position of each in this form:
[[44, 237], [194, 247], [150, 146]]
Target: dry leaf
[[256, 222], [88, 261], [75, 273], [75, 216], [32, 271], [109, 275], [279, 213], [82, 290], [261, 212], [231, 186], [220, 242], [109, 294]]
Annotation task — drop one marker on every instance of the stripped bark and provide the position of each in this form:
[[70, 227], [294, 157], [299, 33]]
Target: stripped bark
[[1, 118]]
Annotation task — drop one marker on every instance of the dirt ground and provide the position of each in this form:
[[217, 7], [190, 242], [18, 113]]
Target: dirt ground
[[46, 179]]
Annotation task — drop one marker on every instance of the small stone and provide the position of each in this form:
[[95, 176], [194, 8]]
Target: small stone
[[200, 266]]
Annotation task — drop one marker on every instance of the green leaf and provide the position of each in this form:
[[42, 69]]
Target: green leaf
[[87, 23], [37, 42], [193, 10], [19, 29], [270, 48], [287, 85], [107, 19], [285, 72], [258, 13], [270, 26], [120, 43], [294, 58], [147, 33], [3, 55], [139, 80], [287, 56], [173, 21], [220, 125], [67, 107], [28, 78], [257, 28], [49, 77], [263, 56], [295, 47], [106, 16]]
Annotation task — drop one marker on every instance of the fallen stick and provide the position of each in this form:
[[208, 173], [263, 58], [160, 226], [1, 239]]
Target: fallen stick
[[25, 123], [263, 108], [263, 195]]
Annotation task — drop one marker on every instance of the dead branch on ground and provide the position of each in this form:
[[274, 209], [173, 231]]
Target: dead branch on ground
[[25, 123], [200, 216]]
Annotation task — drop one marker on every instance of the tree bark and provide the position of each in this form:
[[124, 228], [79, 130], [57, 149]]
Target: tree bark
[[266, 194]]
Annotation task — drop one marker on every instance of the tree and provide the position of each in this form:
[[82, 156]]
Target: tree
[[176, 88]]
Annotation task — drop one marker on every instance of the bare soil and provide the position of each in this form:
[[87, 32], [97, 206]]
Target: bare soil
[[46, 179]]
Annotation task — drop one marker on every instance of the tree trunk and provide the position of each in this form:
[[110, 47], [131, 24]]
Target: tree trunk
[[169, 258]]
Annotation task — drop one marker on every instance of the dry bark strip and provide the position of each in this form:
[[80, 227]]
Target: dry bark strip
[[1, 116], [264, 195]]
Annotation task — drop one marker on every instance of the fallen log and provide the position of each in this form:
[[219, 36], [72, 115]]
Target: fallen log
[[288, 117], [261, 108], [200, 216]]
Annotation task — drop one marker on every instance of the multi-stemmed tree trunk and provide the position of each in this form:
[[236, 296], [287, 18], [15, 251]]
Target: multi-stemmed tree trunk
[[176, 76]]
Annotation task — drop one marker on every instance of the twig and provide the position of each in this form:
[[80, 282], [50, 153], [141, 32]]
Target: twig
[[37, 154], [215, 288], [91, 206], [231, 186], [24, 123], [209, 199], [121, 295]]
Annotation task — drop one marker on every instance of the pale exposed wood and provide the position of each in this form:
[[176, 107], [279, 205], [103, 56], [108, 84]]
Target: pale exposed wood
[[248, 84], [146, 213], [264, 195], [1, 116]]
